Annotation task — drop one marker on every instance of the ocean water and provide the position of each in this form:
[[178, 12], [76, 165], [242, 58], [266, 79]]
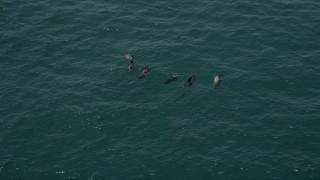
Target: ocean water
[[69, 109]]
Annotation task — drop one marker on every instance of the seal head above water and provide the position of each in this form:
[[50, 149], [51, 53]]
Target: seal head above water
[[191, 80], [172, 78], [131, 67], [144, 71], [217, 81], [128, 57]]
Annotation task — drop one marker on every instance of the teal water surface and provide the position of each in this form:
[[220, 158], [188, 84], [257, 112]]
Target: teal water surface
[[69, 108]]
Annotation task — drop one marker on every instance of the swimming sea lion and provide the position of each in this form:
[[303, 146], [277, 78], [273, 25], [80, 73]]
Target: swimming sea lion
[[217, 81], [191, 80], [172, 78], [128, 57], [144, 71], [131, 67]]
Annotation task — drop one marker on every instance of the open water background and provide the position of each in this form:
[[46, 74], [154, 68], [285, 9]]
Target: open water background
[[70, 110]]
